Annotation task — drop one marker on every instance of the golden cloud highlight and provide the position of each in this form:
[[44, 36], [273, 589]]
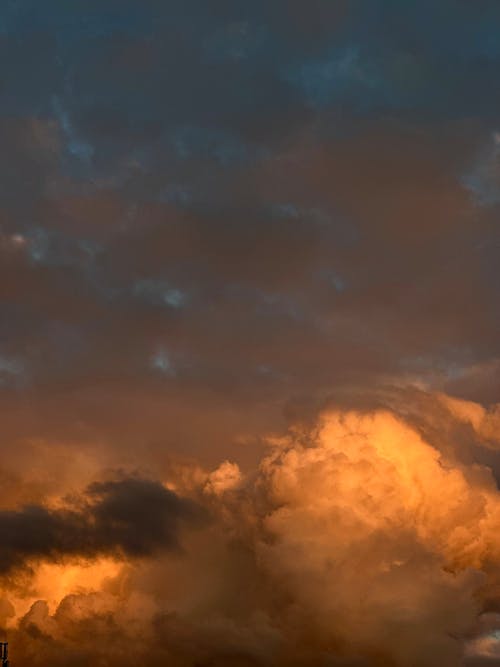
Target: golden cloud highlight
[[354, 542]]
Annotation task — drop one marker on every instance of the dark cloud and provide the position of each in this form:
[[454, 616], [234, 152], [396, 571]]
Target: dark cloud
[[126, 518], [217, 219]]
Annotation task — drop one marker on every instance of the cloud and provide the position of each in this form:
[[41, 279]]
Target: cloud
[[220, 221], [356, 540], [483, 178], [485, 422], [126, 518]]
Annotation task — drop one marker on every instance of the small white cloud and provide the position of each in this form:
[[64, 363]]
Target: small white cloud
[[160, 361], [10, 366], [81, 149], [336, 281], [157, 292], [176, 194], [483, 179], [39, 245], [342, 71], [286, 210], [12, 372], [174, 298]]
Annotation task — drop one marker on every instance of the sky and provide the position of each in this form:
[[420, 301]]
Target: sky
[[250, 333]]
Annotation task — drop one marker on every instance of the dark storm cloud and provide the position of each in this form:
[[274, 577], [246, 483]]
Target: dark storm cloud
[[127, 518]]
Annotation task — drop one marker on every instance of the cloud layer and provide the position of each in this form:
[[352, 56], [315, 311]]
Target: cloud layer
[[249, 332], [356, 541]]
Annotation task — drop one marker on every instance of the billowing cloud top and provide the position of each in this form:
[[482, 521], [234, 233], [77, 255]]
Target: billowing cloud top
[[249, 332]]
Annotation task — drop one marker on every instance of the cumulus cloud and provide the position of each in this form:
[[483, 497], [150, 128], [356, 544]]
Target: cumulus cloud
[[377, 539], [485, 422], [226, 477], [355, 541]]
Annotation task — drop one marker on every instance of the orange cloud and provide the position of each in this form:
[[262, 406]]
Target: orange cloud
[[355, 541]]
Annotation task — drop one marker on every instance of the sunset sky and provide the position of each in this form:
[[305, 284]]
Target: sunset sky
[[250, 333]]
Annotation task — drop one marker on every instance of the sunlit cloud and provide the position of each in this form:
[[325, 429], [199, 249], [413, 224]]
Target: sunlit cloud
[[249, 350]]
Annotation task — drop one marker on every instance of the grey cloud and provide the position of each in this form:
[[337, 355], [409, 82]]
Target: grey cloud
[[127, 518]]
